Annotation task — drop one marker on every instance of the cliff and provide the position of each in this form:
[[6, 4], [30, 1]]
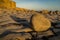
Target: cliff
[[7, 4]]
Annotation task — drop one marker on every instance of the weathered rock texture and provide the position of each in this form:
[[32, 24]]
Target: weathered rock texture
[[7, 4], [10, 20]]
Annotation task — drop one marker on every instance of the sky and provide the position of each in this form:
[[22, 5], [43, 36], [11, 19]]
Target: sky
[[38, 4]]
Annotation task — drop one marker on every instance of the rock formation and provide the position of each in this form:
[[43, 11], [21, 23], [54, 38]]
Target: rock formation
[[16, 21], [7, 4]]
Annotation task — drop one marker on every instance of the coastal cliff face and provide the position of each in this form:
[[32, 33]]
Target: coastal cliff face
[[7, 4]]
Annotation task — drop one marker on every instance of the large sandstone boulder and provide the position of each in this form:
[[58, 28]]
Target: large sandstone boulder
[[40, 23]]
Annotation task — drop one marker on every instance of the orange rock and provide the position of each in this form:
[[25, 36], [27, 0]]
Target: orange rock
[[7, 4], [40, 23]]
